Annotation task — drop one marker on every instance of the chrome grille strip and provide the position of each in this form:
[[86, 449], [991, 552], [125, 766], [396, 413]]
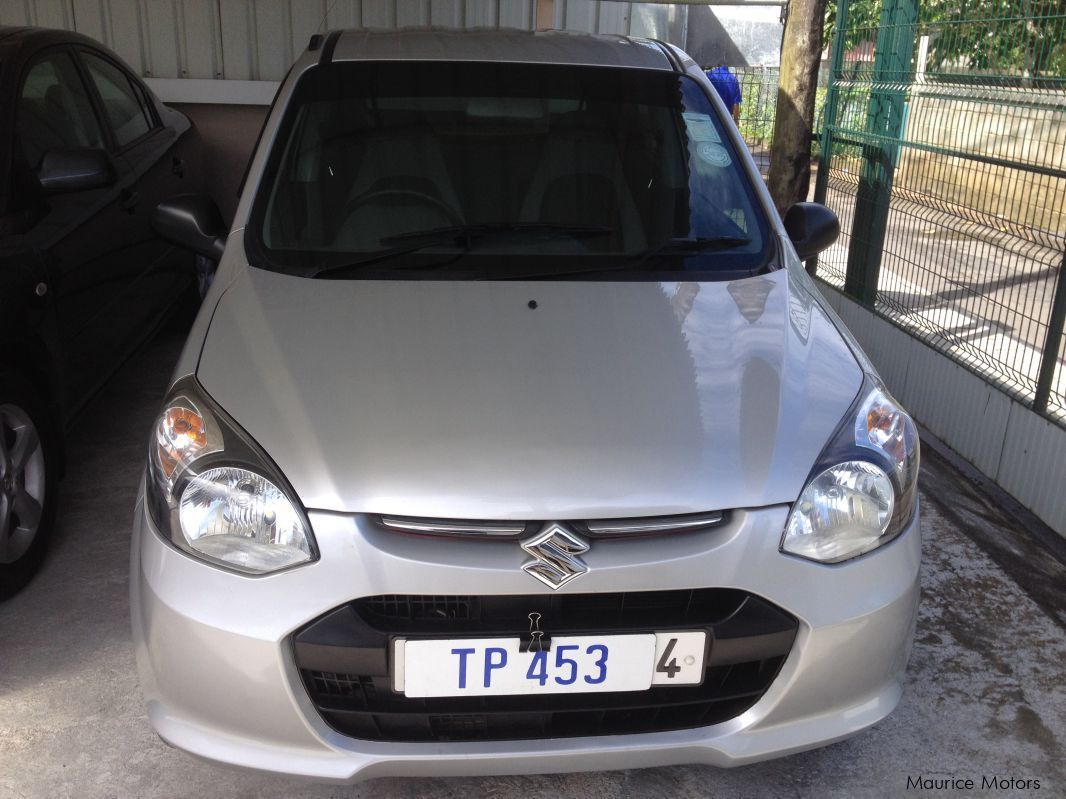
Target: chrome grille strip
[[662, 524], [453, 526]]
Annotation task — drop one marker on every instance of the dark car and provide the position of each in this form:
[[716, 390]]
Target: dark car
[[86, 153]]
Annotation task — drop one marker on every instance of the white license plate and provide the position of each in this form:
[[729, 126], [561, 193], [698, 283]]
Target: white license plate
[[573, 664]]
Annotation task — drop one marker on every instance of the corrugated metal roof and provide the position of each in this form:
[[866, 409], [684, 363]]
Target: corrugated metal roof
[[258, 40]]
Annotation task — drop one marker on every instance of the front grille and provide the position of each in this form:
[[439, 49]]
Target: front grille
[[509, 615], [344, 659], [497, 530]]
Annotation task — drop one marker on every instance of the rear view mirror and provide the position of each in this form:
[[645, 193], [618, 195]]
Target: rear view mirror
[[812, 228], [192, 221], [75, 170]]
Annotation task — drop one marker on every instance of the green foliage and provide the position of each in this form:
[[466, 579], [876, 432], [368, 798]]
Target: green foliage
[[863, 18], [758, 108], [1001, 37]]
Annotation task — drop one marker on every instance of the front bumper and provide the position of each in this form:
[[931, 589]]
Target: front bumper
[[216, 664]]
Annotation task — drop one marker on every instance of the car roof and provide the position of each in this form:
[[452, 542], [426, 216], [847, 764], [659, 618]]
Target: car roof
[[516, 46], [38, 37], [12, 30]]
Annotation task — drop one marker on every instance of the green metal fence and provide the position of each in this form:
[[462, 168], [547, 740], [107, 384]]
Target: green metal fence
[[944, 153], [758, 91], [758, 109]]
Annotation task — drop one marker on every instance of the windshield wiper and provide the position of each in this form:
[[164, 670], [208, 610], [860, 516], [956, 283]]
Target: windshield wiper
[[381, 255], [682, 245], [462, 236]]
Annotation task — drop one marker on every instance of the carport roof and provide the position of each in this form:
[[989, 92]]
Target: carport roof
[[516, 46]]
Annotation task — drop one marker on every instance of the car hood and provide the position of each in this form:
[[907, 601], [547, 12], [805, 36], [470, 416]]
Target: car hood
[[531, 400]]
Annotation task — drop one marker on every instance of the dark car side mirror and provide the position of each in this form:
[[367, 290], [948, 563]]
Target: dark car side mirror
[[812, 228], [192, 221], [75, 170]]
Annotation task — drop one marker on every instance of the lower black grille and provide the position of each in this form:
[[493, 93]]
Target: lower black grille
[[408, 608], [344, 660]]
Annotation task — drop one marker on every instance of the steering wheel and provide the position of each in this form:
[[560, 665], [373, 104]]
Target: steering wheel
[[453, 215]]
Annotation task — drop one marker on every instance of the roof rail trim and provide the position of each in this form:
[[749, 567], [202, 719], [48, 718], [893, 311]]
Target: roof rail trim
[[670, 56], [330, 46]]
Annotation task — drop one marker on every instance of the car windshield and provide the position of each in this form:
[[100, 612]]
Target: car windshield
[[504, 171]]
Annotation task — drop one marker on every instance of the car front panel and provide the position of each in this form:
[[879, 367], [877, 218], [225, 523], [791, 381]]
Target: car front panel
[[218, 656]]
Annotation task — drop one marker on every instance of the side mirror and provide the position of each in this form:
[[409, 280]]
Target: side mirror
[[75, 170], [812, 228], [192, 221]]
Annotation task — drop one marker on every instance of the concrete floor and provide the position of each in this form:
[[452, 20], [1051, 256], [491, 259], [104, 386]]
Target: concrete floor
[[986, 691]]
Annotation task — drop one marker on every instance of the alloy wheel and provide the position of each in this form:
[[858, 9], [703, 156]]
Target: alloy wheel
[[22, 482]]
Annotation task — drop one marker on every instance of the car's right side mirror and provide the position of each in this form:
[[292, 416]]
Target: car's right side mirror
[[192, 221], [812, 228]]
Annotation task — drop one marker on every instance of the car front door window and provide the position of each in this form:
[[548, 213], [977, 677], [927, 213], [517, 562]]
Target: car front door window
[[54, 112]]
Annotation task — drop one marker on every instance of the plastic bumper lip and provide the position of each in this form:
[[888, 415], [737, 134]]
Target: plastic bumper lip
[[216, 665]]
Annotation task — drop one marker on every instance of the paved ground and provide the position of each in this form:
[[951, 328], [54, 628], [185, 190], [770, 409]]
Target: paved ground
[[986, 691]]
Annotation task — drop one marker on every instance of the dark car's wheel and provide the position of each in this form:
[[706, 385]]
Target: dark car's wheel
[[27, 483]]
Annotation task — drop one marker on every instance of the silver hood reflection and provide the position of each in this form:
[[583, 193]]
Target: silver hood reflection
[[457, 399]]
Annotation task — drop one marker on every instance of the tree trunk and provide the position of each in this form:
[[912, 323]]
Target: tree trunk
[[790, 155]]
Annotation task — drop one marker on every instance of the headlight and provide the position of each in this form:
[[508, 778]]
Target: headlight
[[863, 491], [214, 493]]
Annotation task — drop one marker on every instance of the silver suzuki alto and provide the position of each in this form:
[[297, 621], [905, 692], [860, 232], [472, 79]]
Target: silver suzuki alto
[[514, 437]]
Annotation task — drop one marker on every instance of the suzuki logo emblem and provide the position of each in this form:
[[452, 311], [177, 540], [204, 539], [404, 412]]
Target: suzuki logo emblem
[[555, 552]]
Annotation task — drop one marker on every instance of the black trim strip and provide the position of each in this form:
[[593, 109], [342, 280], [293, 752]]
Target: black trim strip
[[674, 62], [327, 51]]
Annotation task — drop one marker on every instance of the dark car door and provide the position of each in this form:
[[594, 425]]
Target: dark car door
[[110, 278], [147, 275], [77, 236]]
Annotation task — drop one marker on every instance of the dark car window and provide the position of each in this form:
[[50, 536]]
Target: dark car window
[[503, 170], [127, 115], [54, 111]]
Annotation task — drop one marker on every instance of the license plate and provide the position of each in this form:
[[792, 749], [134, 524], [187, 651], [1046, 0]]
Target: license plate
[[573, 664]]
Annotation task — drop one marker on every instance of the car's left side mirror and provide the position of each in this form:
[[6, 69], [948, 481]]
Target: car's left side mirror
[[192, 221], [812, 228], [75, 170]]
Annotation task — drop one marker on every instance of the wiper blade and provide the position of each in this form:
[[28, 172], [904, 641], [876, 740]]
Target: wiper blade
[[697, 244], [463, 234], [382, 255]]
